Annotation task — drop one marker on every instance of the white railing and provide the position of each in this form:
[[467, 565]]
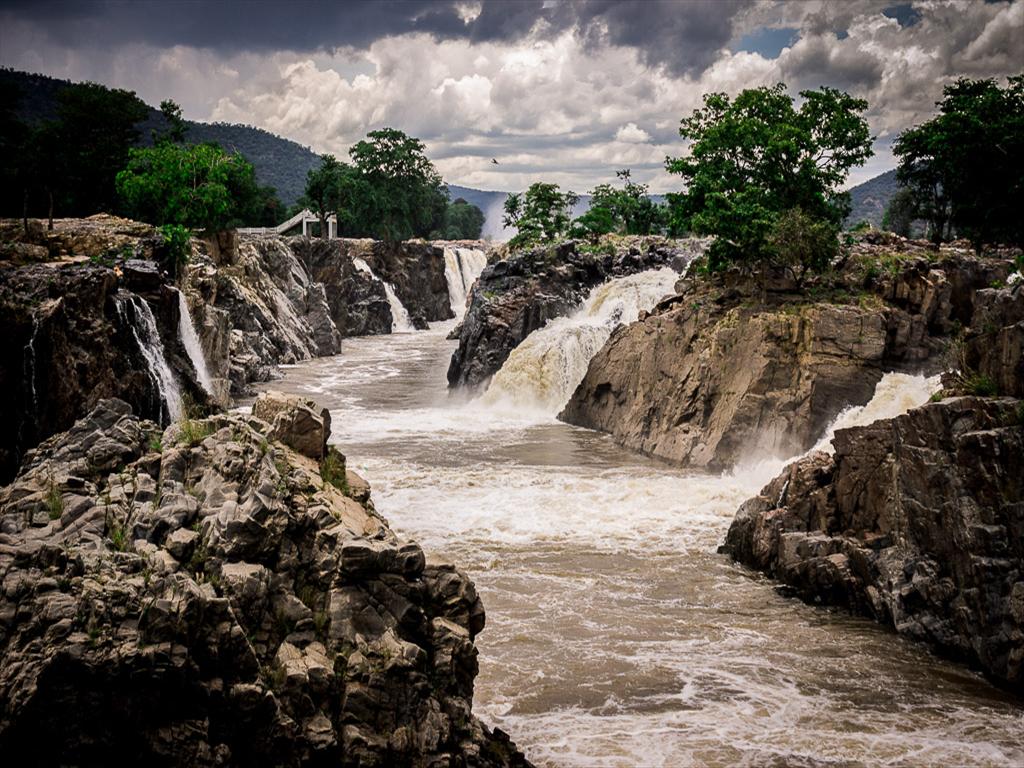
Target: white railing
[[304, 217]]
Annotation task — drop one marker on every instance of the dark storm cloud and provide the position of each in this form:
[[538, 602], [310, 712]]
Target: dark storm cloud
[[685, 37]]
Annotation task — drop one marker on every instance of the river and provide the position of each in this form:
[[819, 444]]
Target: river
[[616, 635]]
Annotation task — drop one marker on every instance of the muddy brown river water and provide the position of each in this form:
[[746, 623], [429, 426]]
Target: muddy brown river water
[[616, 636]]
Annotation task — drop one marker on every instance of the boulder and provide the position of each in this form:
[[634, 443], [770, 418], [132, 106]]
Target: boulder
[[296, 422]]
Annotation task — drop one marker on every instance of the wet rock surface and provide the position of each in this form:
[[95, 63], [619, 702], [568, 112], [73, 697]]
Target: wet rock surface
[[916, 521], [201, 595], [731, 369], [519, 293]]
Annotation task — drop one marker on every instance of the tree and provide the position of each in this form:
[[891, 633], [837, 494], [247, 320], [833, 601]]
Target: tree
[[802, 243], [627, 211], [97, 128], [540, 215], [900, 212], [176, 125], [322, 193], [198, 186], [462, 221], [753, 158], [401, 194], [965, 167]]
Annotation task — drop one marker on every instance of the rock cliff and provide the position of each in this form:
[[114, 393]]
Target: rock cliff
[[730, 368], [916, 521], [519, 293], [208, 595]]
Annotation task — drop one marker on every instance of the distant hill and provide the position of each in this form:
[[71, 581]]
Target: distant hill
[[283, 164], [871, 198]]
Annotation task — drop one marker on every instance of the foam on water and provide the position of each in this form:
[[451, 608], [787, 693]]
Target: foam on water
[[139, 318], [545, 369], [616, 636]]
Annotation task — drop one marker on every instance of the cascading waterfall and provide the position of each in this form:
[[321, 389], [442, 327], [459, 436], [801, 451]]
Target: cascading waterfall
[[138, 317], [894, 395], [29, 366], [462, 266], [545, 369], [190, 340], [400, 322]]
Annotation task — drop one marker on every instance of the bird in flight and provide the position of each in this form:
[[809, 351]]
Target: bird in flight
[[494, 161]]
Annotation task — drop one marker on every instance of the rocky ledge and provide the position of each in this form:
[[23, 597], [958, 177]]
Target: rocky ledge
[[520, 292], [222, 592], [916, 521], [731, 368]]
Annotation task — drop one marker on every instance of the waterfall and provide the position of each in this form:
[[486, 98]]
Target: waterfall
[[139, 319], [29, 365], [894, 395], [545, 369], [400, 321], [462, 266], [190, 340]]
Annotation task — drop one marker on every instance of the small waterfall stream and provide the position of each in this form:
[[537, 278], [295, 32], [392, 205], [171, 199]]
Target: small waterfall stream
[[545, 369], [190, 340], [462, 266], [138, 317], [400, 322]]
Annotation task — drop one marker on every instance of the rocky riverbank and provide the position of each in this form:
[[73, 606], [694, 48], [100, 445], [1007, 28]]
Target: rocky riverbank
[[517, 293], [731, 369], [222, 591]]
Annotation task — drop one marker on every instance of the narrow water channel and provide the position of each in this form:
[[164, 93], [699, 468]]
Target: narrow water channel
[[616, 636]]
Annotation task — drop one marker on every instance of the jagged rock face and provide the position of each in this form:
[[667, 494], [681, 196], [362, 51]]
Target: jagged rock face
[[994, 344], [66, 345], [416, 271], [202, 597], [359, 305], [518, 294], [721, 372], [277, 314], [917, 521]]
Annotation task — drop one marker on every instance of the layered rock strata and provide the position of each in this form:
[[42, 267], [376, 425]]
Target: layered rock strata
[[519, 293], [731, 368], [206, 595]]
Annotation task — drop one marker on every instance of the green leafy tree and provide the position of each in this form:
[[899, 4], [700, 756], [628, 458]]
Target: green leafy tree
[[540, 215], [462, 221], [198, 186], [755, 157], [965, 167], [900, 212], [629, 209], [598, 220], [323, 186], [177, 127], [802, 243], [399, 192]]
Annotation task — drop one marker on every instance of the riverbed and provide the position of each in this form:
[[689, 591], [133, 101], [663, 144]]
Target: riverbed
[[616, 635]]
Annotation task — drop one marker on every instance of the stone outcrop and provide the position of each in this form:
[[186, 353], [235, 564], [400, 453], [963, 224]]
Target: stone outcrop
[[730, 368], [519, 293], [72, 337], [202, 595], [916, 521]]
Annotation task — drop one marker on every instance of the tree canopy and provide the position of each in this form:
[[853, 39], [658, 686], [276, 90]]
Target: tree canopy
[[462, 221], [965, 167], [626, 210], [757, 156], [197, 186], [540, 215]]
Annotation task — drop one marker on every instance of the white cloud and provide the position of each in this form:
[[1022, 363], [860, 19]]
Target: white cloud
[[632, 134]]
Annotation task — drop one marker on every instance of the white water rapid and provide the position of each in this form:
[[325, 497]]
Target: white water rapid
[[462, 266], [138, 317], [400, 322], [616, 635], [190, 340], [545, 369]]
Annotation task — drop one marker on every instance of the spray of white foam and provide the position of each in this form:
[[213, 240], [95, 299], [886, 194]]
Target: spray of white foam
[[545, 369], [190, 340], [895, 394], [400, 322], [462, 266], [139, 319], [494, 221]]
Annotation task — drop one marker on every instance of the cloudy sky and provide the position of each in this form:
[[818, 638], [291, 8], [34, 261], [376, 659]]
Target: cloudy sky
[[556, 90]]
